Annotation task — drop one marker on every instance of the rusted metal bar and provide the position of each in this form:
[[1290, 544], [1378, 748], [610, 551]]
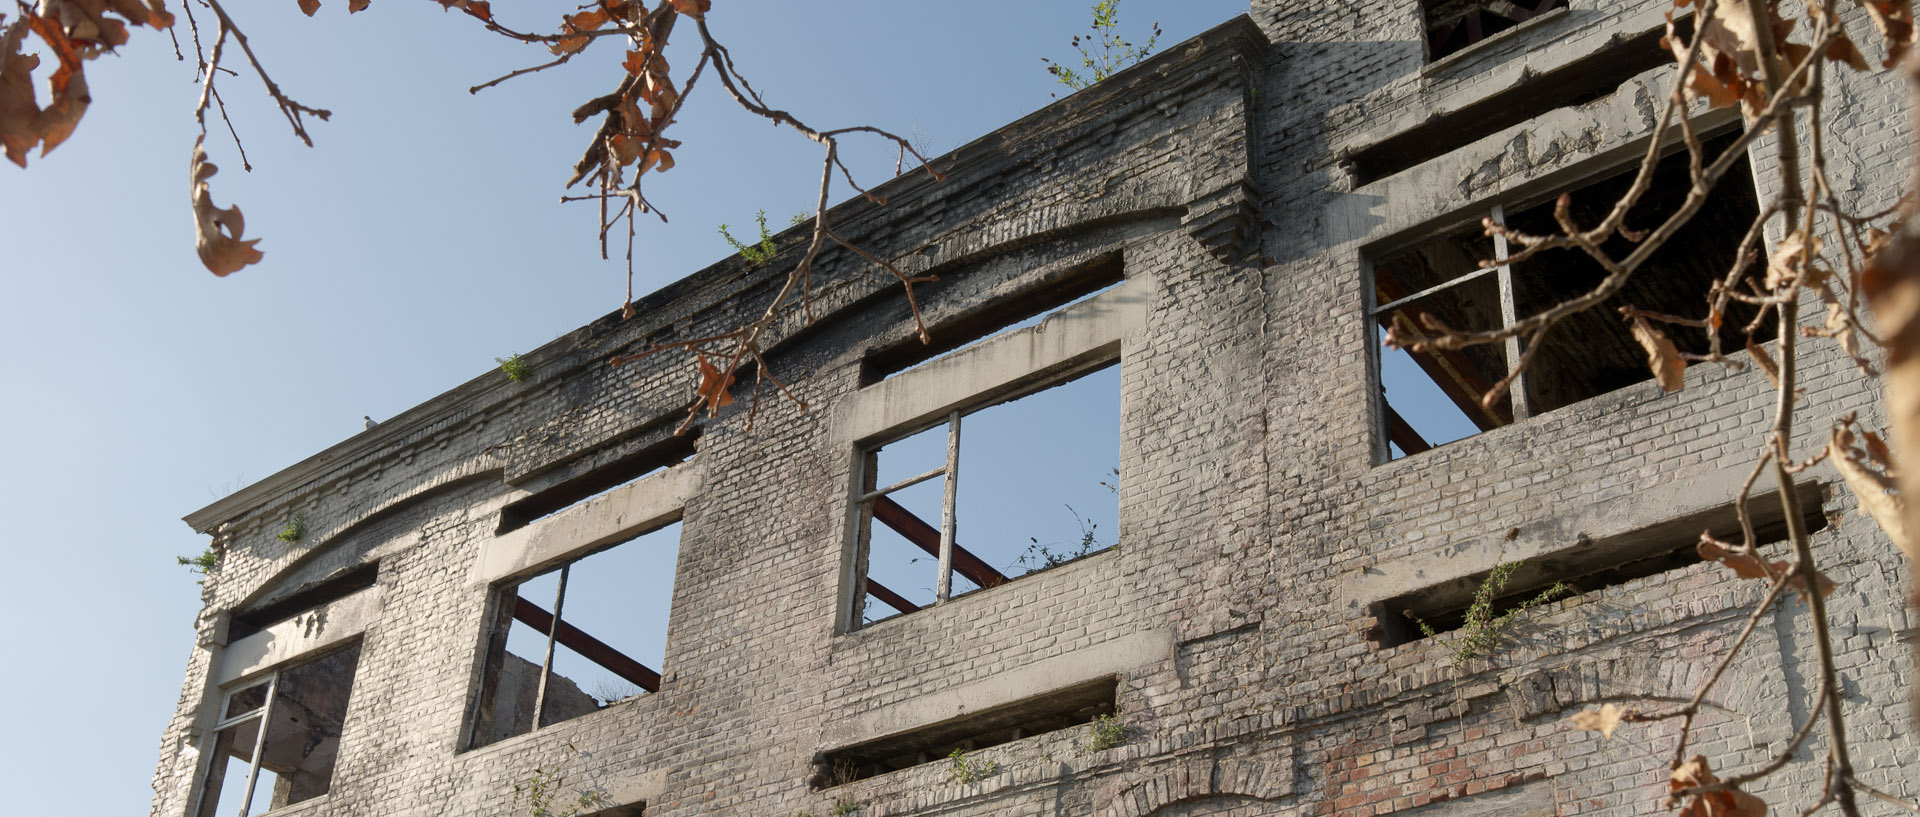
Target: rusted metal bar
[[922, 535], [1402, 433], [591, 648], [892, 599]]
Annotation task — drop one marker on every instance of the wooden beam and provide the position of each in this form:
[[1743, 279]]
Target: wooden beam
[[591, 648], [922, 535]]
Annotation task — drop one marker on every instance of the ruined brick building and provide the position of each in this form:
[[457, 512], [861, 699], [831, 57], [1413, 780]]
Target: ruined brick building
[[1212, 239]]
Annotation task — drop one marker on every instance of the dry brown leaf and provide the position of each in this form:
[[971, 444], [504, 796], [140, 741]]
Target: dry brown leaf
[[1662, 356], [579, 23], [19, 106], [477, 8], [1894, 18], [1603, 720], [1871, 475], [217, 232], [354, 6], [1764, 361], [714, 387], [692, 8], [63, 112], [1792, 252], [308, 7], [1748, 566], [1728, 803], [1842, 50]]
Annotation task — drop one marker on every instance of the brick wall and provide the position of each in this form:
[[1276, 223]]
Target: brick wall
[[1256, 529]]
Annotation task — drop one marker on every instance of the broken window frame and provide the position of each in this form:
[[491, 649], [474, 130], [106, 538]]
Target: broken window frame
[[262, 716], [1519, 402], [1398, 431], [873, 504], [554, 627], [1467, 13]]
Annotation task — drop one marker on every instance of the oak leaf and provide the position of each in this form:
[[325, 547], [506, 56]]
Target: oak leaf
[[1662, 356], [216, 231], [308, 7], [1603, 720], [696, 9]]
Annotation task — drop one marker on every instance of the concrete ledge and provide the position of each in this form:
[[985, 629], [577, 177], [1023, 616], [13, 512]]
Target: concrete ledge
[[1558, 531], [1013, 686], [622, 513], [309, 632], [990, 370]]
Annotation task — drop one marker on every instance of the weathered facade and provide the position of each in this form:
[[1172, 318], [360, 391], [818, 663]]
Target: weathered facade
[[1245, 209]]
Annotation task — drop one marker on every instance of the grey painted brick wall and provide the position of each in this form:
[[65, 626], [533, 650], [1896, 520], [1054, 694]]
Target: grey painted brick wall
[[1255, 521]]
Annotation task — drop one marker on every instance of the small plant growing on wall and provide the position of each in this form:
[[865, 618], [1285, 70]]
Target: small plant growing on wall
[[1480, 630], [844, 806], [756, 254], [963, 769], [514, 368], [1105, 732], [545, 797], [1102, 53], [296, 528], [203, 565]]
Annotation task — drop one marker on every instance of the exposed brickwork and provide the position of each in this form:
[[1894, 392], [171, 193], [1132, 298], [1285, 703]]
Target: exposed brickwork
[[1256, 519]]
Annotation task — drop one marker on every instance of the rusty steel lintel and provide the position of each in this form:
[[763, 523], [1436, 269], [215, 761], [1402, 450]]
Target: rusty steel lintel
[[890, 598], [1402, 433], [922, 535], [587, 646]]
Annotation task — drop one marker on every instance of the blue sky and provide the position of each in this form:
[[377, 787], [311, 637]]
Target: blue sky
[[419, 240]]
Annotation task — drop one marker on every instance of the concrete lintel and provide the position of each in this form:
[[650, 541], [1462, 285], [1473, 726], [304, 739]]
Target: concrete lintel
[[624, 791], [988, 370], [1475, 553], [1101, 660], [622, 513], [1559, 150], [307, 633]]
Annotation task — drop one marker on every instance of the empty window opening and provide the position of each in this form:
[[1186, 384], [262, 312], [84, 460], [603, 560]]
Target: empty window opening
[[334, 588], [1453, 25], [1433, 397], [1594, 76], [578, 638], [1026, 309], [1063, 709], [303, 709], [1041, 488], [1593, 565], [667, 453]]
